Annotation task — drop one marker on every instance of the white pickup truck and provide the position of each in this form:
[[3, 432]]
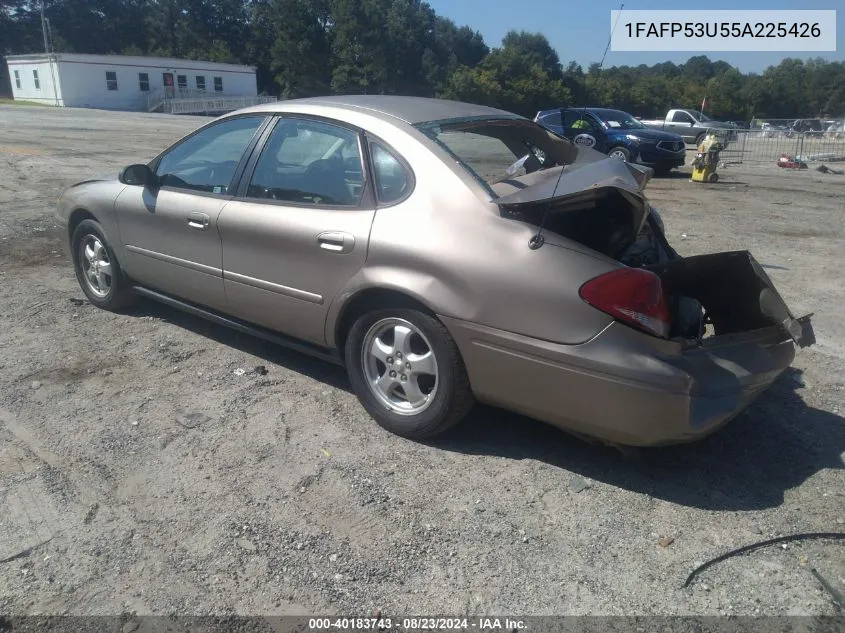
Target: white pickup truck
[[691, 125]]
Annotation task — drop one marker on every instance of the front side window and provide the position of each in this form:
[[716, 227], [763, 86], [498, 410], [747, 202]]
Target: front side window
[[144, 82], [207, 160], [218, 84], [681, 117], [578, 120], [200, 82], [36, 80], [18, 80], [393, 182], [111, 80], [309, 163]]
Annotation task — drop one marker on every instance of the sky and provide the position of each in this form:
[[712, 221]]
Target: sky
[[580, 30]]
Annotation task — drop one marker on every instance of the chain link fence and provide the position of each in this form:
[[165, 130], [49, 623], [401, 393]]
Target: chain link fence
[[767, 141]]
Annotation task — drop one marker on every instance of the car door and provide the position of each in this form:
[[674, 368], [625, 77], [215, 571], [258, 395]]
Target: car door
[[169, 232], [299, 229], [583, 130], [681, 123]]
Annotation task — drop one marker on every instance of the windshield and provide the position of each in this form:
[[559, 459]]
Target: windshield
[[703, 117], [493, 150], [621, 121]]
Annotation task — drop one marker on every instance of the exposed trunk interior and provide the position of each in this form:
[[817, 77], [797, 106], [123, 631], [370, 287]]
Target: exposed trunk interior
[[710, 295], [734, 291], [603, 219]]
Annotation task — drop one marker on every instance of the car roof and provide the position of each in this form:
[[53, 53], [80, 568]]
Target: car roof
[[601, 112], [604, 112], [411, 110]]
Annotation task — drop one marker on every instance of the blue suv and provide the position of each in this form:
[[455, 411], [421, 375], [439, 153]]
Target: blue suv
[[617, 133]]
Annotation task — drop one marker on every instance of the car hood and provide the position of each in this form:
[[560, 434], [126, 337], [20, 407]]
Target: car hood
[[650, 135], [102, 177]]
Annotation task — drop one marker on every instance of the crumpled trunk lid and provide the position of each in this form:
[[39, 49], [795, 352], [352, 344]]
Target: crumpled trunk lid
[[736, 293]]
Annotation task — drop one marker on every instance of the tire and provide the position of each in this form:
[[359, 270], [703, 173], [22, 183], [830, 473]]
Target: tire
[[620, 152], [442, 380], [97, 270], [713, 178], [700, 139]]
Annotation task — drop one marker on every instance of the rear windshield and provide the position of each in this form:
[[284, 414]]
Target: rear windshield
[[493, 150]]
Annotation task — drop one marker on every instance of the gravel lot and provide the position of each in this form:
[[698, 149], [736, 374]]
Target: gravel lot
[[142, 473]]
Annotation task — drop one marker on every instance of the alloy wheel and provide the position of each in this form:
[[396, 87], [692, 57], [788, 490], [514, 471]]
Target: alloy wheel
[[96, 266], [400, 366]]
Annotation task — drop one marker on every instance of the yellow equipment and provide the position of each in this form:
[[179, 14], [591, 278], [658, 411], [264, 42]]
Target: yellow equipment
[[707, 159]]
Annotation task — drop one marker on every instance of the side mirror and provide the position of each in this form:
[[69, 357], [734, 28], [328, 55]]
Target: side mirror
[[138, 175]]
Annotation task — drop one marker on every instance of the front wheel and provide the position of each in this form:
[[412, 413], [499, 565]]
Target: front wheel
[[97, 269], [407, 372], [620, 153]]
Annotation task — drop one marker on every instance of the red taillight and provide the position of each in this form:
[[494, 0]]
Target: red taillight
[[633, 296]]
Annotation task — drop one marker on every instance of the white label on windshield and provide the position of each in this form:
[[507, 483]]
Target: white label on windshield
[[614, 123]]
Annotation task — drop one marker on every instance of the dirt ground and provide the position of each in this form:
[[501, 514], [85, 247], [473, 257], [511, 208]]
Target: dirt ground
[[140, 471]]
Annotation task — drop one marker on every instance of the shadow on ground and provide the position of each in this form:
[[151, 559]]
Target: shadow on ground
[[775, 445]]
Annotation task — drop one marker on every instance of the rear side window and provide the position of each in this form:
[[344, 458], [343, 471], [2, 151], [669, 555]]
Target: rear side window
[[393, 182], [308, 163], [553, 119]]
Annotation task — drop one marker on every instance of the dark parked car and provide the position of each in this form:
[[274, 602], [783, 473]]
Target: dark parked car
[[809, 127], [618, 134]]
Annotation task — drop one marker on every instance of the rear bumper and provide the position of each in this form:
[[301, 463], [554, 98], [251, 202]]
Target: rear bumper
[[623, 387]]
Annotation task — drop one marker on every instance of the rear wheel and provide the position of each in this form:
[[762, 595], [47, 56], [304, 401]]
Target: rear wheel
[[97, 269], [713, 178], [407, 372], [621, 153]]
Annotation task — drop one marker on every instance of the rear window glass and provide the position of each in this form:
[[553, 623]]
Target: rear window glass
[[485, 155], [497, 149]]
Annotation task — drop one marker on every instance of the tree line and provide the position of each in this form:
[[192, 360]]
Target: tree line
[[313, 47]]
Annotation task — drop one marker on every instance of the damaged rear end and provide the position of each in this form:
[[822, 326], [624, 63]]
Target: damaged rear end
[[694, 339]]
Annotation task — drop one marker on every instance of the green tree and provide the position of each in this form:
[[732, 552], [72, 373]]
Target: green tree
[[513, 77], [300, 52]]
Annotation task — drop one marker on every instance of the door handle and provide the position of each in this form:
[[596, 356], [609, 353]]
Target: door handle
[[198, 220], [336, 241]]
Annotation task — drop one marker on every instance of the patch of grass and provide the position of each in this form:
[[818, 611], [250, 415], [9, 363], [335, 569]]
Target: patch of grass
[[8, 101]]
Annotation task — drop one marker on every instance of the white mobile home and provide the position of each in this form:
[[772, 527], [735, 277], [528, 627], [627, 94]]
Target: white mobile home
[[115, 82]]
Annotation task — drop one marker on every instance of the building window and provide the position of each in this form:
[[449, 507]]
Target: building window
[[144, 82], [111, 80], [36, 80], [200, 82], [18, 79], [218, 84], [182, 80]]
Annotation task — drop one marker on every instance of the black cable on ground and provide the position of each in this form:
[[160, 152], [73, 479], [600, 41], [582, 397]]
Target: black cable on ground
[[837, 536]]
